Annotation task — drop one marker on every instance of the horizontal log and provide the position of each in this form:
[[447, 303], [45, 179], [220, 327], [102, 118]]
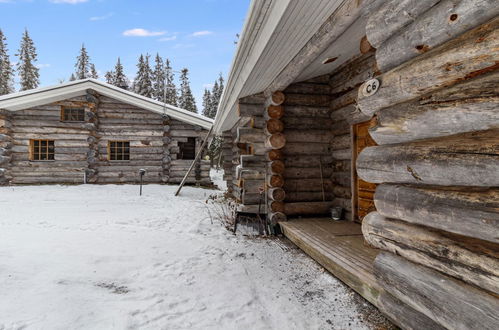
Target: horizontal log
[[472, 261], [274, 126], [342, 154], [308, 88], [466, 107], [275, 180], [276, 194], [307, 100], [342, 192], [304, 185], [392, 16], [276, 167], [353, 73], [302, 148], [307, 208], [340, 127], [306, 161], [308, 172], [309, 123], [275, 206], [468, 212], [469, 159], [308, 136], [341, 178], [249, 135], [275, 141], [451, 303], [457, 60], [307, 196], [274, 154], [444, 21], [307, 111], [274, 112], [276, 217], [250, 109]]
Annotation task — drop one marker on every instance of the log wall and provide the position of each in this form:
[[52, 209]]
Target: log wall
[[436, 168], [81, 148]]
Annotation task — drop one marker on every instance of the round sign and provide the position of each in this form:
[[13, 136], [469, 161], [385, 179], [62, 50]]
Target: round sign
[[370, 87]]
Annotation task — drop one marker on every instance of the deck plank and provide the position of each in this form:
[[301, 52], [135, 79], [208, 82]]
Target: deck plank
[[339, 247]]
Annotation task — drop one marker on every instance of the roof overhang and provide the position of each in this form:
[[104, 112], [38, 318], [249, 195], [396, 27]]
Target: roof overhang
[[285, 41], [40, 96]]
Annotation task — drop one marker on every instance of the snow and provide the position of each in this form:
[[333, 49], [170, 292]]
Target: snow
[[102, 257]]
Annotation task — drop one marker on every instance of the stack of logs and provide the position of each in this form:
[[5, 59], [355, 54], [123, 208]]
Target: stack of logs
[[5, 146], [437, 161], [167, 159]]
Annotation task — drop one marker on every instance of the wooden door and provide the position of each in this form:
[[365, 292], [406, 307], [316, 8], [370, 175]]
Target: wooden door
[[362, 191]]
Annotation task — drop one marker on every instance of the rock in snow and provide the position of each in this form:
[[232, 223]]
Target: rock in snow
[[101, 257]]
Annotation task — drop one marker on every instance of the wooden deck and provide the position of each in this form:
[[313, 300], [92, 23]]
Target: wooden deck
[[339, 247]]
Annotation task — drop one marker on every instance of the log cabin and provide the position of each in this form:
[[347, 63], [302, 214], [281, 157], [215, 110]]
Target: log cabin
[[385, 113], [88, 131]]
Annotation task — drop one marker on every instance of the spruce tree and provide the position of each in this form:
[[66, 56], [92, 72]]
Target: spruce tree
[[6, 71], [186, 100], [171, 90], [72, 77], [93, 72], [143, 80], [83, 65], [159, 76], [207, 102], [120, 80], [28, 72], [110, 77], [216, 95]]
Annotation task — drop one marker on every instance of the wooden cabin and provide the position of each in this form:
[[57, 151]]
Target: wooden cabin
[[88, 131], [385, 113]]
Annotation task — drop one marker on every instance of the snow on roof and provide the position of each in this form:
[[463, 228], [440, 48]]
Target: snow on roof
[[45, 95]]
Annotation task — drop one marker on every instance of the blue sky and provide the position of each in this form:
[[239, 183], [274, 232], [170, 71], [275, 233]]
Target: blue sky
[[197, 34]]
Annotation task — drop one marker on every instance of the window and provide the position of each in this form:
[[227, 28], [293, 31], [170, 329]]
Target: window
[[72, 114], [42, 150], [187, 150], [118, 150]]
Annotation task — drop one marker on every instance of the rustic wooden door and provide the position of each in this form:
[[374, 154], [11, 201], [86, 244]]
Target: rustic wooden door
[[362, 191]]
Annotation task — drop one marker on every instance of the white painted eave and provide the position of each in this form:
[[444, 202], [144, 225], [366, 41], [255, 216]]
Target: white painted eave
[[40, 96]]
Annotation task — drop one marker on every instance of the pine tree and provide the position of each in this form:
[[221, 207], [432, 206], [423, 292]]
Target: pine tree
[[207, 102], [6, 71], [83, 64], [93, 72], [120, 80], [186, 100], [159, 76], [72, 77], [26, 67], [143, 80], [171, 90]]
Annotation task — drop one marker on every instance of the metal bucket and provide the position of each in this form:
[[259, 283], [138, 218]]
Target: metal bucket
[[337, 213]]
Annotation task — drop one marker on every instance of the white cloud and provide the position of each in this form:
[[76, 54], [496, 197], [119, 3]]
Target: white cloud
[[142, 33], [72, 2], [201, 33], [208, 86], [168, 38], [100, 18], [41, 66]]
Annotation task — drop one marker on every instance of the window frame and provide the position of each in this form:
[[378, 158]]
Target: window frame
[[65, 108], [109, 148], [33, 154], [180, 146]]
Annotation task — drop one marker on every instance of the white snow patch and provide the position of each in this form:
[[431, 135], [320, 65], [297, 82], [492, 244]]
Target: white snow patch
[[101, 257]]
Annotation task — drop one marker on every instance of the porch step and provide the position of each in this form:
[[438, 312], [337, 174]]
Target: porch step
[[339, 247]]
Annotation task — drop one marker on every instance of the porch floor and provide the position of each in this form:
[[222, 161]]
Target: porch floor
[[339, 247]]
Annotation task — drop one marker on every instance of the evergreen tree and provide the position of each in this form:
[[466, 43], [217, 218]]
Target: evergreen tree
[[6, 71], [83, 64], [207, 102], [120, 80], [109, 77], [171, 90], [186, 100], [72, 77], [143, 80], [218, 88], [93, 72], [26, 67], [159, 76]]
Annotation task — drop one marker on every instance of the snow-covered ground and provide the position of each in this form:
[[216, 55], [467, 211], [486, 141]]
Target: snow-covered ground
[[101, 257]]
